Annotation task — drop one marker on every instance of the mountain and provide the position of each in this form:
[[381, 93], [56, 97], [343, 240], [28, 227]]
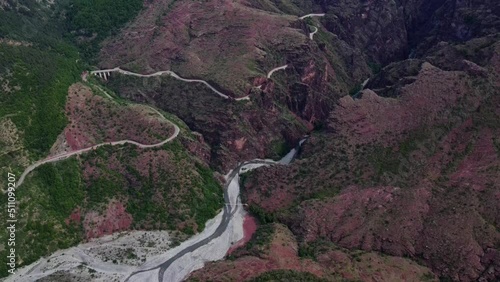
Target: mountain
[[52, 110], [398, 179]]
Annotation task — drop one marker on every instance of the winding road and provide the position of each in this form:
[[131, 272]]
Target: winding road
[[230, 208], [276, 69], [107, 72], [176, 76], [172, 74], [81, 151], [311, 35]]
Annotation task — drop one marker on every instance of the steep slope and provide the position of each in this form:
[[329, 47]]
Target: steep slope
[[44, 116], [236, 131], [393, 156], [406, 169], [414, 176], [233, 46], [224, 42], [430, 22], [113, 188]]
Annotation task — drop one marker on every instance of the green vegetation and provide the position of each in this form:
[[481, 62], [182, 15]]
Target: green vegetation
[[38, 23], [186, 192], [400, 163], [384, 160], [101, 16], [326, 193], [423, 138], [65, 188], [36, 68], [307, 251], [312, 249], [200, 198], [286, 276], [429, 276], [244, 178]]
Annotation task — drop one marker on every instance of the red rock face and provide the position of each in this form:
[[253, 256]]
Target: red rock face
[[186, 31], [160, 177], [282, 254], [113, 220], [198, 148], [283, 195], [258, 81], [419, 171], [248, 42], [167, 180], [240, 143], [418, 221]]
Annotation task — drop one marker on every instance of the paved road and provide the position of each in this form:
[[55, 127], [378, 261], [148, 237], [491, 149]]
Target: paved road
[[81, 151], [312, 15], [228, 212], [276, 69], [311, 35]]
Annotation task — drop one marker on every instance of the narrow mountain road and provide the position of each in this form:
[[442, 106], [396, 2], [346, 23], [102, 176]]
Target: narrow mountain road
[[311, 34], [81, 151], [216, 238], [276, 69]]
